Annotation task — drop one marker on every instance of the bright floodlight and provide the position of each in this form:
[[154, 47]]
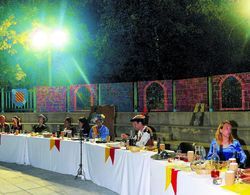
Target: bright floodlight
[[39, 39], [58, 38]]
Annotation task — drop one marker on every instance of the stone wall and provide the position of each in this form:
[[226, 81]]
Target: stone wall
[[174, 126]]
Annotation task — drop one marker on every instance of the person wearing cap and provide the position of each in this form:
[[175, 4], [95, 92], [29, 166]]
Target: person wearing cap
[[84, 126], [16, 124], [41, 126], [144, 135], [4, 127], [99, 130]]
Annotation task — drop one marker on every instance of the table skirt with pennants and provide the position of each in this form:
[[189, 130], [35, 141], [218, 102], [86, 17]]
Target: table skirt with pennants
[[119, 170]]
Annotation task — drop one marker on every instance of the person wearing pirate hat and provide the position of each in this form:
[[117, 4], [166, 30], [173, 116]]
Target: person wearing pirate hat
[[41, 126], [99, 130], [144, 136]]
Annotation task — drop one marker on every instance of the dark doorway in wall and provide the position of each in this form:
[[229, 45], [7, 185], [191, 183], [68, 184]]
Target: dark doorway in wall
[[155, 97], [231, 93]]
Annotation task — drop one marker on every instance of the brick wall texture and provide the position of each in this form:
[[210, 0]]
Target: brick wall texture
[[189, 92]]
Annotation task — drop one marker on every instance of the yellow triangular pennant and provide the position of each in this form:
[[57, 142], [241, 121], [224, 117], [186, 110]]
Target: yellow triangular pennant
[[107, 153], [52, 143], [168, 176]]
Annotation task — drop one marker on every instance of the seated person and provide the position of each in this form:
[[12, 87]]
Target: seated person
[[84, 126], [99, 130], [68, 127], [4, 127], [16, 124], [226, 146], [41, 126], [144, 136]]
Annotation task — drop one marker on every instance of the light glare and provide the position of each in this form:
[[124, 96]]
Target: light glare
[[39, 39], [58, 38]]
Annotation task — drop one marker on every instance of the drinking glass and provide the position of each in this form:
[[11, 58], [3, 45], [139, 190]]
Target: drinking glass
[[203, 153], [197, 152], [229, 178]]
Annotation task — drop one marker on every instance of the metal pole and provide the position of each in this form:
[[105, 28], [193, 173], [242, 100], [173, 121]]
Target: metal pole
[[2, 99], [49, 67]]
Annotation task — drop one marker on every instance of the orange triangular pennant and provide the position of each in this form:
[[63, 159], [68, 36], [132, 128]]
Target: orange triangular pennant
[[107, 153], [52, 143]]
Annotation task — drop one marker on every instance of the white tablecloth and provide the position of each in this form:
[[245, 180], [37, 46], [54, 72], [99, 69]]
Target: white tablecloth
[[65, 161], [13, 149], [187, 182], [130, 174]]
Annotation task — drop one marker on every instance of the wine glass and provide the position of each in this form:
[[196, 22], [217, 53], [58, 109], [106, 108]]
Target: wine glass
[[203, 153], [198, 152]]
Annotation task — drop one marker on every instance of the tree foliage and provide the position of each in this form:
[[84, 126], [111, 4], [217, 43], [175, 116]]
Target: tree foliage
[[169, 39], [18, 19], [130, 40]]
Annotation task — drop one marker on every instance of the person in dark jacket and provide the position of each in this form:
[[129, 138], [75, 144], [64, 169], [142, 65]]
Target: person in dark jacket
[[84, 126], [41, 126], [4, 127], [16, 124], [68, 127]]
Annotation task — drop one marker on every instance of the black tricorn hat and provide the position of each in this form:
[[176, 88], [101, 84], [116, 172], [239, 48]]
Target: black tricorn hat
[[138, 118], [45, 119]]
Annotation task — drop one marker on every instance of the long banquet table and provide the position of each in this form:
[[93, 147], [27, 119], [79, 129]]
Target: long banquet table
[[119, 170]]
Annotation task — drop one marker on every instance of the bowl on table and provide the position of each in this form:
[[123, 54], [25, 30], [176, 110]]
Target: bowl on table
[[47, 135], [134, 149], [151, 148], [204, 167], [201, 167]]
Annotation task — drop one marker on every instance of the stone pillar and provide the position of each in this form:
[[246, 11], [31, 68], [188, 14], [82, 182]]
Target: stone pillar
[[135, 97], [210, 94], [99, 94], [174, 96], [68, 99], [2, 99], [34, 100]]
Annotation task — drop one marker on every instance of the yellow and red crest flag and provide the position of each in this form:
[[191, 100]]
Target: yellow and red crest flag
[[19, 97]]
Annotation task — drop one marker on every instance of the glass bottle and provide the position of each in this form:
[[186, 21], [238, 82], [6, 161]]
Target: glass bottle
[[131, 138], [215, 159]]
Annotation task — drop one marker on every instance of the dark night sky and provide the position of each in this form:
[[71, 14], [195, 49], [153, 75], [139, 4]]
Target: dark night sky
[[127, 40]]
